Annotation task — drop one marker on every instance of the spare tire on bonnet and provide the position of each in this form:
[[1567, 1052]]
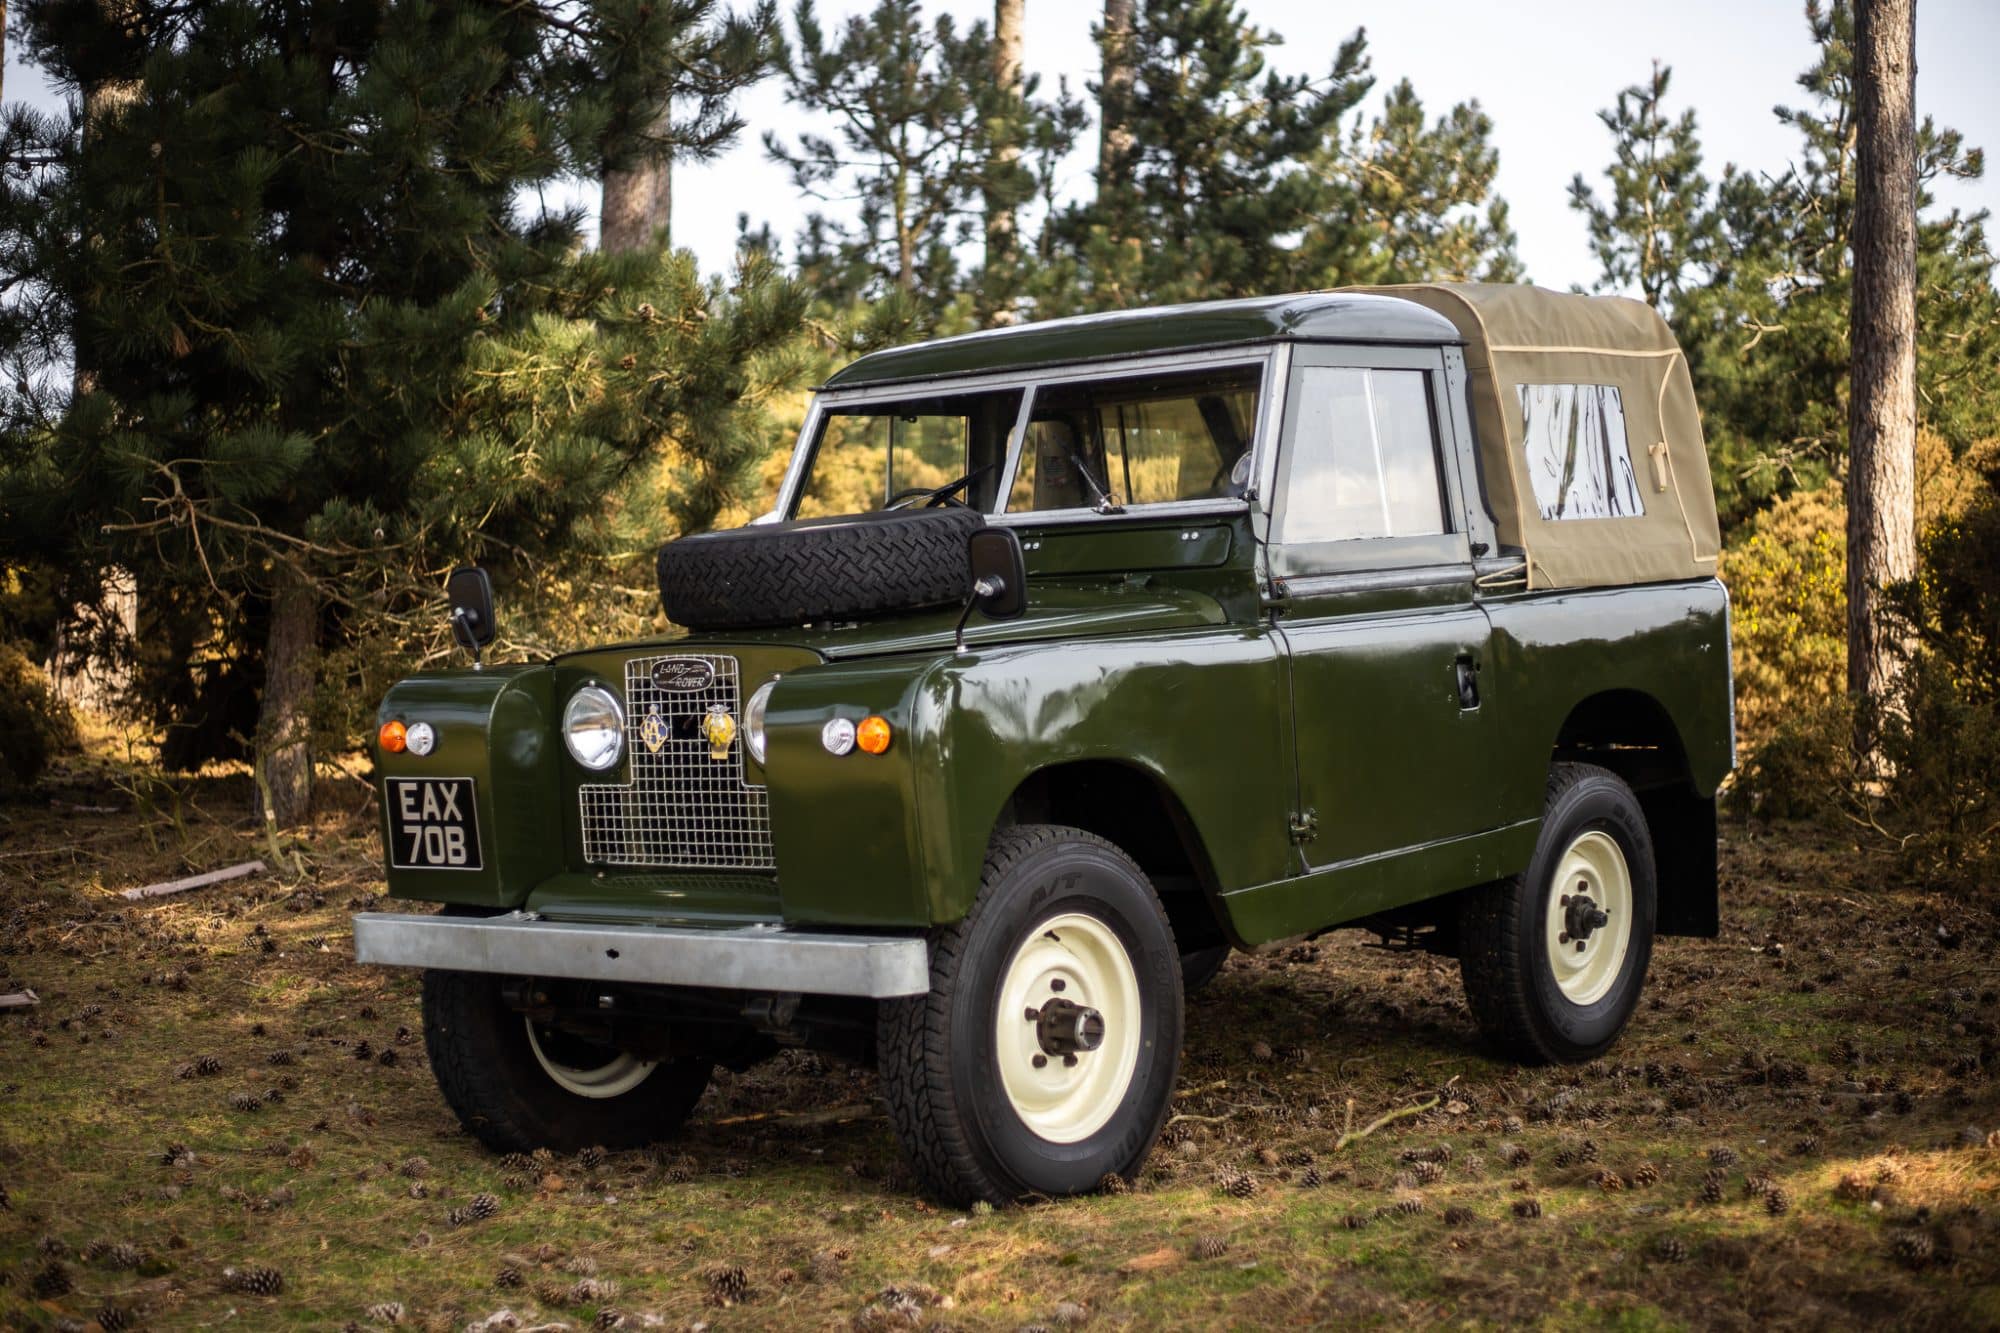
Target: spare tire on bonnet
[[818, 569]]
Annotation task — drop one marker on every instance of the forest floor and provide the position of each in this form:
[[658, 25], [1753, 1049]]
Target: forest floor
[[1798, 1130]]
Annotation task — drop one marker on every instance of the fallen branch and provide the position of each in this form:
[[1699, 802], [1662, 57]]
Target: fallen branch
[[1349, 1134], [194, 881], [19, 1000], [833, 1116]]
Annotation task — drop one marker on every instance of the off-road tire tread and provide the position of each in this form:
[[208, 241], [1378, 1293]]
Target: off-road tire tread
[[916, 1068], [1489, 947], [795, 574], [451, 1008]]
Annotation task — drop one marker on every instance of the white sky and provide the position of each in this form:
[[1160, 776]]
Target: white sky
[[1542, 71]]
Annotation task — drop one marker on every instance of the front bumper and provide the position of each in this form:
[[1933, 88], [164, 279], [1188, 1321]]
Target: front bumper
[[754, 958]]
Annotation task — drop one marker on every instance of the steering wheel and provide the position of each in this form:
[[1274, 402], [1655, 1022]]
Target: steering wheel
[[946, 494]]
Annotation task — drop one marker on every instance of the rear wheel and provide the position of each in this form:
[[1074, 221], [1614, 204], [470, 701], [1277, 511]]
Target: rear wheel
[[1554, 958], [517, 1084], [1043, 1058]]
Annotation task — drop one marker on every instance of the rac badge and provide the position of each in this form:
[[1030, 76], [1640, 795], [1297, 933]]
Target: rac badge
[[653, 731], [719, 729], [683, 675]]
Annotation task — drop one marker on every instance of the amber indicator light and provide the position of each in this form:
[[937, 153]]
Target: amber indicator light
[[872, 734], [393, 737]]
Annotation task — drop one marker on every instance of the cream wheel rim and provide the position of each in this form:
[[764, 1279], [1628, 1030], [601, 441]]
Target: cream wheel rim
[[614, 1078], [1063, 1091], [1589, 927]]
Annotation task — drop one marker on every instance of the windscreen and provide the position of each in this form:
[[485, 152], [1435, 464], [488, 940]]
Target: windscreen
[[869, 456]]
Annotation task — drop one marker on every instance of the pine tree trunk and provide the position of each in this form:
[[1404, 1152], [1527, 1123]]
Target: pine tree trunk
[[1882, 405], [284, 723], [1007, 39], [637, 203], [1114, 99]]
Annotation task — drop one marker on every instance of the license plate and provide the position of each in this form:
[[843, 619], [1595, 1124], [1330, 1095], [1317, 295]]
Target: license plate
[[432, 825]]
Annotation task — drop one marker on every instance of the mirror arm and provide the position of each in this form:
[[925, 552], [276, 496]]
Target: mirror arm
[[468, 638], [983, 590]]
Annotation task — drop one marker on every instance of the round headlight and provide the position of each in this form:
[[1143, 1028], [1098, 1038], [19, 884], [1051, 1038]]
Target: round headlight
[[594, 728], [753, 719]]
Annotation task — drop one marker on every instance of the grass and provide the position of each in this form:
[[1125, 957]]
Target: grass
[[1833, 1033]]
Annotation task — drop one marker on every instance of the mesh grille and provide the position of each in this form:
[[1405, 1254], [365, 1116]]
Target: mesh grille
[[682, 808]]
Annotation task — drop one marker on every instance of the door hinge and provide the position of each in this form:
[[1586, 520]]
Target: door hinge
[[1304, 825]]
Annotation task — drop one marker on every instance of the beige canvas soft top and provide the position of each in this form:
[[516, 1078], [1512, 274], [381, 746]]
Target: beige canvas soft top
[[1519, 335]]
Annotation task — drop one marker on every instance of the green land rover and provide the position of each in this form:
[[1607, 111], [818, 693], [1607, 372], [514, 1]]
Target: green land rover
[[1074, 656]]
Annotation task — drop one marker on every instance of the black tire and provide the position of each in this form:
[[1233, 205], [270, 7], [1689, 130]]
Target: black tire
[[940, 1065], [1504, 957], [1200, 967], [818, 569], [489, 1074]]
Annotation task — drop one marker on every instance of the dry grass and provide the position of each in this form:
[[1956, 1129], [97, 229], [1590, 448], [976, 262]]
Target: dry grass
[[1839, 1041]]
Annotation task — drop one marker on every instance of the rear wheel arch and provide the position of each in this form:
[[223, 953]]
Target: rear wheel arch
[[1631, 734]]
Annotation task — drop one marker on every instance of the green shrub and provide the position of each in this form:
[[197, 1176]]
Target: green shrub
[[34, 723]]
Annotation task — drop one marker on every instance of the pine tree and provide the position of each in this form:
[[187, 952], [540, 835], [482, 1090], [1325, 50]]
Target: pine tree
[[694, 59], [1408, 200], [314, 308], [1764, 314], [1654, 233], [1882, 409], [1212, 189], [926, 145]]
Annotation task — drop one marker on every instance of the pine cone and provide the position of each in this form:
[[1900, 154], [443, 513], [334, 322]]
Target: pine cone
[[51, 1280], [1671, 1249], [206, 1065], [124, 1257], [1915, 1249], [1355, 1221], [1608, 1181], [1428, 1172], [590, 1158], [384, 1312], [1587, 1151], [608, 1318], [171, 1155], [1515, 1155], [1806, 1147], [1310, 1179], [1437, 1153], [1238, 1184], [580, 1265], [1776, 1202], [280, 1057], [1113, 1183], [726, 1286], [1458, 1216], [1527, 1209], [94, 1250], [515, 1161], [1712, 1185], [245, 1101], [1646, 1175], [416, 1168], [508, 1278], [553, 1294], [1210, 1247], [1409, 1207], [1723, 1156], [253, 1281], [1565, 1158], [113, 1318], [1853, 1187]]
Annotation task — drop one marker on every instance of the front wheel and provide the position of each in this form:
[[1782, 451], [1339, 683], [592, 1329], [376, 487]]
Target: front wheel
[[1044, 1056], [1554, 958], [518, 1085]]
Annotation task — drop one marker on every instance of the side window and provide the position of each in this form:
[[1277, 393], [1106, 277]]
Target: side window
[[1362, 457], [1138, 440], [1579, 461]]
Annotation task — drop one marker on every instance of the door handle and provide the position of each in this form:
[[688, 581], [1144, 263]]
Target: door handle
[[1468, 682]]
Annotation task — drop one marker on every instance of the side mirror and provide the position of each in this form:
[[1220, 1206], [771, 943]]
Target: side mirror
[[470, 593], [999, 577]]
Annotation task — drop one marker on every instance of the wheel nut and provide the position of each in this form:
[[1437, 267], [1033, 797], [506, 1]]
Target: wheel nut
[[1565, 900], [1581, 946], [1563, 938], [1040, 1060], [1069, 1062], [1034, 1015], [1056, 984]]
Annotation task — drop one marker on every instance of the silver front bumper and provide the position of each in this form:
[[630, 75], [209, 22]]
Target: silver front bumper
[[757, 958]]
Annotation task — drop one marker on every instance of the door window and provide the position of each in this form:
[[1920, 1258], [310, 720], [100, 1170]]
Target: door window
[[1363, 454]]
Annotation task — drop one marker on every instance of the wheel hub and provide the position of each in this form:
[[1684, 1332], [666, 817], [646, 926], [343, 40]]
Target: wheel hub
[[1582, 915], [1063, 1027]]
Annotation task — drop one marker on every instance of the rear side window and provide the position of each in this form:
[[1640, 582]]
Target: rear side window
[[1363, 457], [1578, 459]]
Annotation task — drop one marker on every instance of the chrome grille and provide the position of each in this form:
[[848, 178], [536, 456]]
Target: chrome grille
[[681, 808]]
